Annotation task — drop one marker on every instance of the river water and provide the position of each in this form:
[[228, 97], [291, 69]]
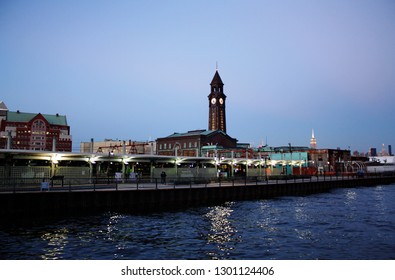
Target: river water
[[349, 223]]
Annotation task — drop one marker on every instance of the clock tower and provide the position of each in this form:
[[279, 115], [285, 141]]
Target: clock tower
[[216, 115]]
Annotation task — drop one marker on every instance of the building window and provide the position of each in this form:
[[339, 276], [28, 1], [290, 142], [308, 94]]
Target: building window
[[38, 135]]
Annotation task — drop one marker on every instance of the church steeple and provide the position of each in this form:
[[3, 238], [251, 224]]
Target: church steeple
[[216, 118]]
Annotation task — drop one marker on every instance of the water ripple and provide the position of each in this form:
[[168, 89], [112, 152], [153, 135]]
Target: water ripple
[[355, 223]]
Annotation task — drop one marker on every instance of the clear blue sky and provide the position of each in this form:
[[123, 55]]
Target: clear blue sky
[[141, 69]]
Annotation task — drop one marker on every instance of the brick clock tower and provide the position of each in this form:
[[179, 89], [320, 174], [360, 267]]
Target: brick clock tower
[[216, 117]]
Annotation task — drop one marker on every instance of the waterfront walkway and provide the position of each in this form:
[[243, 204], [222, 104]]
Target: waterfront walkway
[[26, 201], [111, 184]]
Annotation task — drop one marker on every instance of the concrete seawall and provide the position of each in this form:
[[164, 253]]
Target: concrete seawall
[[45, 204]]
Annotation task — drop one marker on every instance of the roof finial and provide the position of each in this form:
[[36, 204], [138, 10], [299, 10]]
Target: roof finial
[[216, 66]]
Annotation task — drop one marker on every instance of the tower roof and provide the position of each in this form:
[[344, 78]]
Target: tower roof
[[3, 107], [216, 79]]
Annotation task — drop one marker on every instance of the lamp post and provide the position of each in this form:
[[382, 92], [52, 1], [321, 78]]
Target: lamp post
[[290, 165], [110, 153], [266, 168]]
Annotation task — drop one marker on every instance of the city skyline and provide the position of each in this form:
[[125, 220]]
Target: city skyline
[[141, 70]]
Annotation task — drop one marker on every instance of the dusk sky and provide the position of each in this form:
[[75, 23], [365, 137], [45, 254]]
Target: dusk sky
[[141, 70]]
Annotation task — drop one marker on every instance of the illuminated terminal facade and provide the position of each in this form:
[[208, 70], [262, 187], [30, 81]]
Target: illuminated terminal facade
[[252, 162]]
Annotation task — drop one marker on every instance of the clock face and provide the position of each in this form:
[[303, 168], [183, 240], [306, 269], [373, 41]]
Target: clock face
[[213, 101], [221, 101]]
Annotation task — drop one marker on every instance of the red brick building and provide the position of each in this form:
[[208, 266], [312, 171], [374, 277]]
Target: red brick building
[[192, 142], [31, 131]]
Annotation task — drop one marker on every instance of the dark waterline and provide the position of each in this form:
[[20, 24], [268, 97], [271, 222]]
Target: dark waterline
[[350, 223]]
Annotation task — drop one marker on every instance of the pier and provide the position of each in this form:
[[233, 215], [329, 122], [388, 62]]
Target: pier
[[40, 184], [145, 196]]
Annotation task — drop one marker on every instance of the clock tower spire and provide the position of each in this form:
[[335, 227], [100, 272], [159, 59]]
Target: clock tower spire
[[216, 117]]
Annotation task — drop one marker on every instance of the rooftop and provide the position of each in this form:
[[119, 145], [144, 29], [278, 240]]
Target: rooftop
[[192, 133], [26, 117], [3, 107], [216, 79]]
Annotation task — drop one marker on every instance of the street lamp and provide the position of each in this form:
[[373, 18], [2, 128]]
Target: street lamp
[[290, 151], [266, 157], [110, 153]]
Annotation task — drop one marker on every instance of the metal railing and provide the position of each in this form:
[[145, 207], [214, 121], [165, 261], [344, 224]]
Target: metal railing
[[110, 183]]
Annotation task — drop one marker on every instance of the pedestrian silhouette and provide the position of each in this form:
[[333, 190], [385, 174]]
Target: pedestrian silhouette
[[163, 177]]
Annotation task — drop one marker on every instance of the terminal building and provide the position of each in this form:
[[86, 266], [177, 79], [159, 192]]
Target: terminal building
[[44, 150]]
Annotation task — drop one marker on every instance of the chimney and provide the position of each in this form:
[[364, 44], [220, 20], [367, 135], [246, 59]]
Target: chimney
[[9, 140], [53, 144], [92, 142]]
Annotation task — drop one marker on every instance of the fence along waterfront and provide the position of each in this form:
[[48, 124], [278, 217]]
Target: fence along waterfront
[[69, 184], [151, 195]]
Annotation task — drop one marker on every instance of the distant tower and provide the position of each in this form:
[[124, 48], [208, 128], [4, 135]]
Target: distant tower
[[313, 141], [216, 115], [373, 152], [383, 151]]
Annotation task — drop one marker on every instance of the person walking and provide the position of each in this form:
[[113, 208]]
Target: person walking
[[163, 177]]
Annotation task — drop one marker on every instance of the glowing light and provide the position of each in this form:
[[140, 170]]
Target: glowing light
[[56, 158]]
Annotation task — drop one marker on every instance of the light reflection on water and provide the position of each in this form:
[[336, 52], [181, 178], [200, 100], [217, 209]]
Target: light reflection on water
[[223, 233], [56, 242], [357, 223]]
